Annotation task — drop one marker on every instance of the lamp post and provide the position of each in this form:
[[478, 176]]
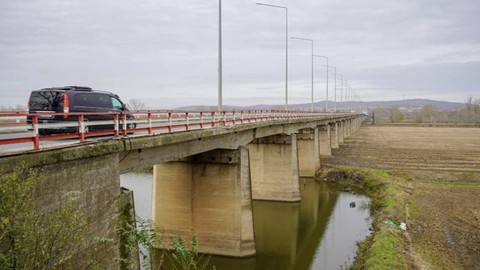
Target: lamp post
[[335, 86], [341, 88], [326, 97], [345, 97], [220, 55], [286, 49], [311, 40]]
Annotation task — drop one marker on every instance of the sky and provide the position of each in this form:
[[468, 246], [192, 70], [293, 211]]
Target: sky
[[165, 53]]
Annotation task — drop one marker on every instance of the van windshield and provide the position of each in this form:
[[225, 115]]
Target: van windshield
[[46, 101]]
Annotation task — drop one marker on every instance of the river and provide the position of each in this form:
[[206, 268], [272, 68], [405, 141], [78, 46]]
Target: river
[[320, 232]]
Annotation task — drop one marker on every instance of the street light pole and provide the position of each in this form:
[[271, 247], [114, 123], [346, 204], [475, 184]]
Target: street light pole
[[326, 97], [286, 49], [341, 90], [335, 86], [311, 40], [220, 55]]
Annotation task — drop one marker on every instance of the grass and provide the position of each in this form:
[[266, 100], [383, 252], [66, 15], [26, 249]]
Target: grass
[[385, 248]]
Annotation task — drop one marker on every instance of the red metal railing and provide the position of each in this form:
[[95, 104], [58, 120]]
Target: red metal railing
[[14, 128]]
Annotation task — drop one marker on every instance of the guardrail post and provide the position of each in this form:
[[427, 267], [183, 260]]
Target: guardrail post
[[124, 124], [169, 122], [36, 137], [115, 126], [186, 120], [201, 120], [149, 117], [81, 128]]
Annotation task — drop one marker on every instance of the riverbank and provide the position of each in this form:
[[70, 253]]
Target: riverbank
[[428, 178], [387, 246]]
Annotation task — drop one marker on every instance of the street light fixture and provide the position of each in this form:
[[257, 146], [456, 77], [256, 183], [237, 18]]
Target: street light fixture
[[326, 98], [311, 40], [286, 48]]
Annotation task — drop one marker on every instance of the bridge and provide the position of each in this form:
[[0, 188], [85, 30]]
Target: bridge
[[208, 166]]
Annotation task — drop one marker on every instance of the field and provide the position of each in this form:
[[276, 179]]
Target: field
[[442, 169]]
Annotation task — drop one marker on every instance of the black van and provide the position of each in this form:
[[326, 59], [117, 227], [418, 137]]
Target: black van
[[74, 99]]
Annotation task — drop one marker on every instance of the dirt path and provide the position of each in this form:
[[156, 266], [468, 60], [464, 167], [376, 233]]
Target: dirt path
[[443, 165]]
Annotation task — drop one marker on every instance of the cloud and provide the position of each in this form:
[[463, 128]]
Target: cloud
[[167, 50]]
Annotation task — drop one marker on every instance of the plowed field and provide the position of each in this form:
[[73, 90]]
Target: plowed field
[[443, 166]]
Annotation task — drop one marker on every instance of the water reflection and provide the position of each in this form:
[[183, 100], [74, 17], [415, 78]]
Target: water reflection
[[320, 232]]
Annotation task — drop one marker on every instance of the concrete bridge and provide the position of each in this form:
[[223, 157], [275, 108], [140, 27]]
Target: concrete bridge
[[204, 180]]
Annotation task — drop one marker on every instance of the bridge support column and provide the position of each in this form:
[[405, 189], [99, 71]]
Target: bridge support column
[[325, 140], [358, 124], [274, 168], [350, 127], [341, 131], [308, 145], [208, 194], [334, 135], [346, 128]]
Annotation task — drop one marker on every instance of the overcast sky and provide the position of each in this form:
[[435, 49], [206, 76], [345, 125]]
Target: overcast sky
[[165, 52]]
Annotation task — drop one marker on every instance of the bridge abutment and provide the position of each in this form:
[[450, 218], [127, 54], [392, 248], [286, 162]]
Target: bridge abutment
[[209, 195], [274, 168]]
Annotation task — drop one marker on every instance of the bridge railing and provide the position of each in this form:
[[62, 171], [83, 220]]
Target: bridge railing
[[23, 127]]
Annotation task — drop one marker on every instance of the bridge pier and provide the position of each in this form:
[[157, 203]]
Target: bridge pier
[[308, 152], [208, 194], [275, 168], [334, 135], [325, 140], [341, 132]]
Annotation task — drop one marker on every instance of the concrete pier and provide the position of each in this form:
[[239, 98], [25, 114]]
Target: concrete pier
[[334, 135], [274, 168], [209, 194], [341, 131], [308, 152], [325, 140]]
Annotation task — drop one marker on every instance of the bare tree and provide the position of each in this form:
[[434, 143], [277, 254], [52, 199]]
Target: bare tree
[[136, 104], [396, 115]]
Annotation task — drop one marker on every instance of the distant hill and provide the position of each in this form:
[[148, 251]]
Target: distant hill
[[407, 104]]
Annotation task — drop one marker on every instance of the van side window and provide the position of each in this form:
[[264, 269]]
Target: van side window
[[117, 104], [83, 100], [103, 101]]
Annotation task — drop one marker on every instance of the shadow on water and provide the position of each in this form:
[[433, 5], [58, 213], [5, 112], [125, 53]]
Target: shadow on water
[[320, 232]]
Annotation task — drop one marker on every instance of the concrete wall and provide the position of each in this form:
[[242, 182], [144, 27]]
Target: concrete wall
[[210, 194], [92, 185]]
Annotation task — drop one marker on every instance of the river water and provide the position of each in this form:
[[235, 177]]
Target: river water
[[320, 232]]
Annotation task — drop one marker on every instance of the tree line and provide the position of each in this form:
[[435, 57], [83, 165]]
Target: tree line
[[470, 113]]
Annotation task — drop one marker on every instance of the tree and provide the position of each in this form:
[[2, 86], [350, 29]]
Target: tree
[[32, 236], [395, 115], [136, 104], [472, 107]]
